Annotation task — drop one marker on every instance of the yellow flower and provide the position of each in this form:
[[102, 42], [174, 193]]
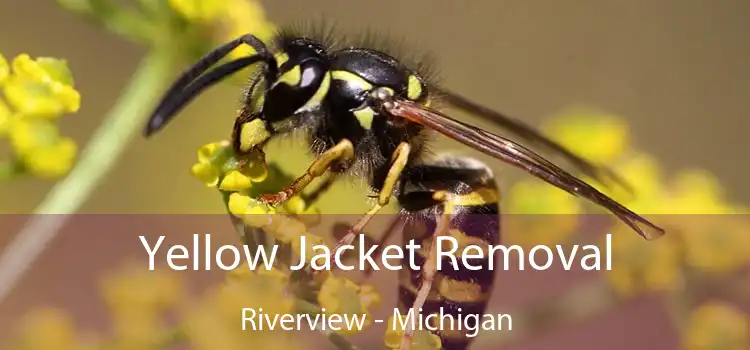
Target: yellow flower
[[41, 88], [216, 160], [252, 212], [41, 148], [45, 329], [597, 136], [199, 10], [239, 203], [137, 299], [341, 296], [716, 325], [54, 161], [369, 296], [541, 214], [206, 173], [235, 181], [212, 322], [537, 197], [4, 69], [244, 17], [134, 286], [284, 228], [279, 277], [210, 159], [6, 117], [422, 339], [697, 192], [715, 243], [643, 266], [295, 205]]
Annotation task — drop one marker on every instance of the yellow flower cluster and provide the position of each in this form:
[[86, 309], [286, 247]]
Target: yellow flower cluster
[[36, 93], [215, 162], [46, 329], [137, 300], [642, 267], [150, 310], [233, 17], [211, 323], [341, 296], [717, 325], [217, 167]]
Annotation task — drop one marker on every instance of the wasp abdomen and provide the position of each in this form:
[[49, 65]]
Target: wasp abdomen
[[462, 286]]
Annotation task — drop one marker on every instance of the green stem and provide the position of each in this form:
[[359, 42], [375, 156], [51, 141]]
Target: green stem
[[121, 124]]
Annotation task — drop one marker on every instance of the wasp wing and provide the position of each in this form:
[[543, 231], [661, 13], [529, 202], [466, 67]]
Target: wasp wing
[[519, 156], [528, 133]]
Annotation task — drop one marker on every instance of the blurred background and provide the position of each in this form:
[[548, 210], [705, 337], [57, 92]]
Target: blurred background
[[674, 71]]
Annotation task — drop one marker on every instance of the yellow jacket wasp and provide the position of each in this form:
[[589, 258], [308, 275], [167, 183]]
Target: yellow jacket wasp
[[368, 114]]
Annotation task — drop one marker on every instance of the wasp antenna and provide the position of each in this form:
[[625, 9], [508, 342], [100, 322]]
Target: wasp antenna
[[169, 108], [186, 87], [530, 134]]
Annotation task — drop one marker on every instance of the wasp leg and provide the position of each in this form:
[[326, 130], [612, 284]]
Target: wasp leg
[[341, 152], [312, 197], [398, 163], [429, 270]]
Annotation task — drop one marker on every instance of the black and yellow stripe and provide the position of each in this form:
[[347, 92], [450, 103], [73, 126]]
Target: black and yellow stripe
[[469, 192]]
